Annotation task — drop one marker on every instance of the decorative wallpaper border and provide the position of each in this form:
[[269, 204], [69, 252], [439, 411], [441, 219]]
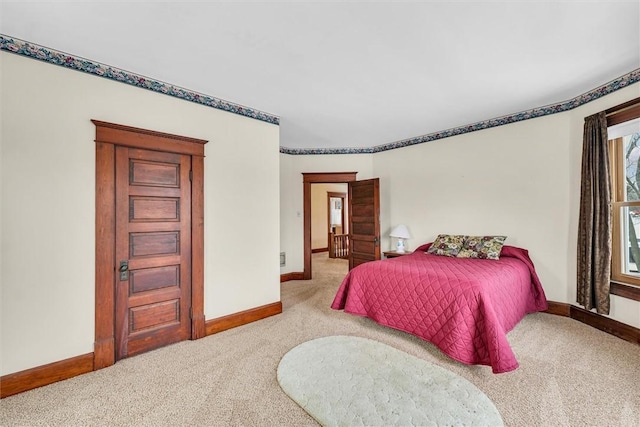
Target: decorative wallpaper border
[[31, 50], [606, 89]]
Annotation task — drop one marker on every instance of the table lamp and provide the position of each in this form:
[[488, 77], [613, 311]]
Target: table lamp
[[401, 233]]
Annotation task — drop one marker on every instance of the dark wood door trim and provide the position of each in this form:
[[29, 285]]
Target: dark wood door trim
[[309, 178], [197, 248], [108, 135], [104, 345], [129, 136]]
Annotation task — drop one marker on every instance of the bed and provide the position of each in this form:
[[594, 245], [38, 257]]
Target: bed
[[464, 306]]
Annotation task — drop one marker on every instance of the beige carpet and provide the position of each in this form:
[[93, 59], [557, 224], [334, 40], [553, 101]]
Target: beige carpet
[[570, 374]]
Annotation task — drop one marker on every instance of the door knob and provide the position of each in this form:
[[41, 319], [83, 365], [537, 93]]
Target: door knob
[[124, 270]]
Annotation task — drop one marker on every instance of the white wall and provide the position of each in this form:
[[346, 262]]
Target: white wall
[[48, 204], [291, 196], [521, 180]]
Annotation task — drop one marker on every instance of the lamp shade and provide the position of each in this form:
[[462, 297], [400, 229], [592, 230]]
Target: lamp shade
[[400, 232]]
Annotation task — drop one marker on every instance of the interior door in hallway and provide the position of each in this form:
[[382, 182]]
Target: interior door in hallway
[[153, 250], [364, 221]]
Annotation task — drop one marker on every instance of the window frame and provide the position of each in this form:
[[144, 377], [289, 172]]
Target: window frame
[[616, 115], [618, 204]]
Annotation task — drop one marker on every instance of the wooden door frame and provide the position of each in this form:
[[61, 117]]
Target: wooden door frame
[[309, 178], [108, 136]]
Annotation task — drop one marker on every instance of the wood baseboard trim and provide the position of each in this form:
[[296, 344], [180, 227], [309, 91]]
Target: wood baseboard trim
[[318, 250], [291, 276], [595, 320], [558, 308], [44, 375], [610, 326], [220, 324]]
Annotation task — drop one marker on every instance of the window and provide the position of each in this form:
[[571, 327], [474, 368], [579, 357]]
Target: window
[[624, 144]]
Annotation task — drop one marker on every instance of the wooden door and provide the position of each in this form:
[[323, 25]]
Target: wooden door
[[364, 221], [153, 236]]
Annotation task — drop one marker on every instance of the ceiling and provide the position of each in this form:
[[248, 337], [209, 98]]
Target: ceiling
[[352, 73]]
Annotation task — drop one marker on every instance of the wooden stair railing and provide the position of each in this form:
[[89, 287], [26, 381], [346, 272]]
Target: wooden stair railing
[[338, 245]]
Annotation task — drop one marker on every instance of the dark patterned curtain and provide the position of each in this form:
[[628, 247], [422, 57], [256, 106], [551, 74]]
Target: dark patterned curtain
[[594, 226]]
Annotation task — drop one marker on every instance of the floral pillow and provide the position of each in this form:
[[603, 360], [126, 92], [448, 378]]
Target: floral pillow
[[483, 247], [447, 245]]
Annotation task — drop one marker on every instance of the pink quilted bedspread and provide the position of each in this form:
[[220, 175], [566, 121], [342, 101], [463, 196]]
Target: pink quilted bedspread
[[463, 306]]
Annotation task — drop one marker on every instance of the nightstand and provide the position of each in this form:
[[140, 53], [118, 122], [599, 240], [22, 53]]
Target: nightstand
[[394, 254]]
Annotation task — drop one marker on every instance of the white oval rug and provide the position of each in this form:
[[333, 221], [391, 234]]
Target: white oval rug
[[353, 381]]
